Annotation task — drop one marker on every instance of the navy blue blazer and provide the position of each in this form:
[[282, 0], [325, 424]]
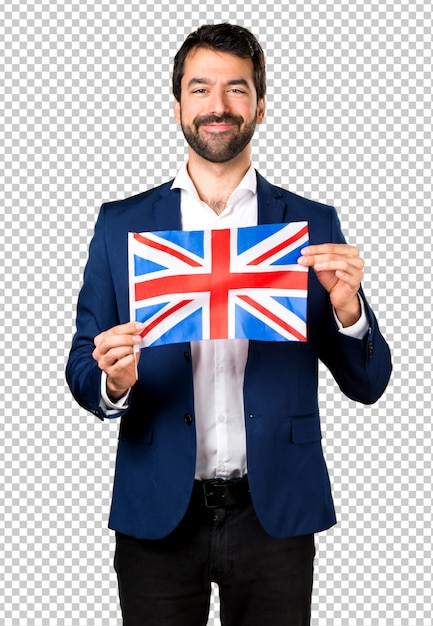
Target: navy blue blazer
[[156, 455]]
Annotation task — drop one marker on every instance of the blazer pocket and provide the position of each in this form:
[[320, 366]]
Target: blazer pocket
[[306, 429]]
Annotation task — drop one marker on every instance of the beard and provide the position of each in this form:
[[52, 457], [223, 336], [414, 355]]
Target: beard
[[224, 146]]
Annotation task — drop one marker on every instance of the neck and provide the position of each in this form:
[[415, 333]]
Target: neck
[[215, 182]]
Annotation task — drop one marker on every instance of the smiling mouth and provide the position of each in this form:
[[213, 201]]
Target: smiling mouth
[[215, 124], [217, 128]]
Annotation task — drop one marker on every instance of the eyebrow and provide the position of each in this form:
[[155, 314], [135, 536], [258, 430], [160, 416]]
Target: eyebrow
[[207, 81]]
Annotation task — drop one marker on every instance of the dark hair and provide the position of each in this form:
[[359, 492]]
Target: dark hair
[[224, 38]]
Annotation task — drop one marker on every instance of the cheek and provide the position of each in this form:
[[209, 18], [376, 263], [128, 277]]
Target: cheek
[[250, 113], [188, 114]]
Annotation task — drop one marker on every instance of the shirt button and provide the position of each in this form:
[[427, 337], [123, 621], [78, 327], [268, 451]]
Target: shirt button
[[221, 418], [221, 468], [188, 419], [220, 369]]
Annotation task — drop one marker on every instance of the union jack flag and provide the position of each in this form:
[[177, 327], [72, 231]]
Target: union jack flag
[[241, 283]]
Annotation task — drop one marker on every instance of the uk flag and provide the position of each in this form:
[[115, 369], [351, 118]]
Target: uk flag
[[241, 283]]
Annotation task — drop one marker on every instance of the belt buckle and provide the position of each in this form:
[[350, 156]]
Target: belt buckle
[[212, 500]]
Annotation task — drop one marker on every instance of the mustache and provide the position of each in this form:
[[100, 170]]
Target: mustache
[[218, 119]]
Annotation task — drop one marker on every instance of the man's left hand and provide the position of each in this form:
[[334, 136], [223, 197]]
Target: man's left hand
[[339, 269]]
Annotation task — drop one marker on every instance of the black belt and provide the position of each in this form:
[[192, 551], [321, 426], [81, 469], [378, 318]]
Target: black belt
[[219, 493]]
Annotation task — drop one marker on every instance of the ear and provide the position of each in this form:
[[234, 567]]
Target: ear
[[176, 108], [260, 110]]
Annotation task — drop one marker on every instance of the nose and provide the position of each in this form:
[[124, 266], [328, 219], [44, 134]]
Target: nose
[[218, 104]]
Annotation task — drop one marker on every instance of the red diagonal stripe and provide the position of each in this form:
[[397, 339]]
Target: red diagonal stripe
[[280, 246], [273, 317], [159, 246], [162, 317]]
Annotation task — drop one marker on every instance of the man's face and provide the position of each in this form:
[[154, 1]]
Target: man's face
[[218, 111]]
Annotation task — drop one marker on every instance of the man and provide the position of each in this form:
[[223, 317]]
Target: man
[[220, 474]]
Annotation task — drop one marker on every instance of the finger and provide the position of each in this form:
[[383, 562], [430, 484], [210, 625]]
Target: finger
[[118, 366], [123, 373], [106, 359], [333, 263], [130, 328], [114, 337], [313, 259], [114, 355], [126, 329], [350, 279], [343, 249], [352, 264]]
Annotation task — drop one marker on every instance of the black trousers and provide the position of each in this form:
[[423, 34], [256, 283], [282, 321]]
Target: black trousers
[[262, 581]]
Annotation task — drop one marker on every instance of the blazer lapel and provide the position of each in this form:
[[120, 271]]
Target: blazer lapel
[[167, 209], [271, 206]]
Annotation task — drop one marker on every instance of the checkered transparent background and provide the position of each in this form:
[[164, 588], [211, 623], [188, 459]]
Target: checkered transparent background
[[85, 118]]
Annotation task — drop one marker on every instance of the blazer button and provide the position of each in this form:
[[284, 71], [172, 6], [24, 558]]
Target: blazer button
[[188, 419], [187, 357]]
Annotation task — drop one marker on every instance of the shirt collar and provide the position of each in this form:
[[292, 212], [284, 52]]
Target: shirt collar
[[183, 181]]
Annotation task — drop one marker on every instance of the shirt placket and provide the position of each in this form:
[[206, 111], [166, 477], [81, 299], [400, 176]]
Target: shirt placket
[[221, 413]]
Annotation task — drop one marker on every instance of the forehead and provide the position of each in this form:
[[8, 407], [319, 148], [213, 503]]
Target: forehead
[[212, 65]]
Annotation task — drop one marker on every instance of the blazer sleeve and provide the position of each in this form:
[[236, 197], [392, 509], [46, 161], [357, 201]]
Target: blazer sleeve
[[361, 367], [96, 312]]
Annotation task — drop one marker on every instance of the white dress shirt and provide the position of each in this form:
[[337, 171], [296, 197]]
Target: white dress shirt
[[219, 365]]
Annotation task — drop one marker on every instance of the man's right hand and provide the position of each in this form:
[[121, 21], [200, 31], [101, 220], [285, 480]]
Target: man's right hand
[[114, 353]]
